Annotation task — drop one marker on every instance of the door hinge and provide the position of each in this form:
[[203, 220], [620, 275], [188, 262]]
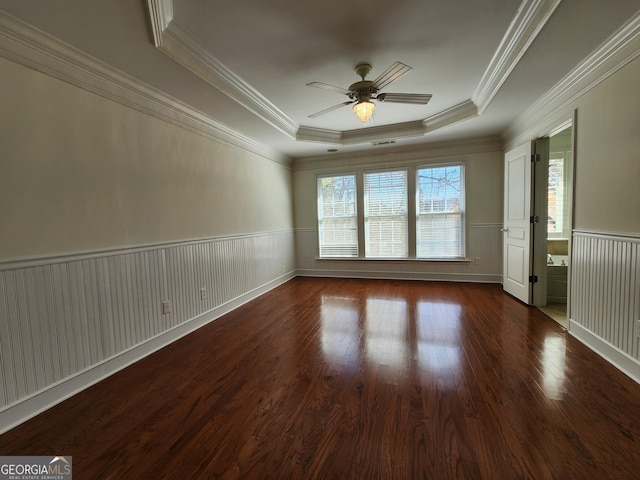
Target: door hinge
[[535, 157], [534, 219], [533, 279]]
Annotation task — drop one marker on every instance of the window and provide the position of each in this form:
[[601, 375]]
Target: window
[[440, 212], [408, 212], [557, 207], [337, 216], [385, 214]]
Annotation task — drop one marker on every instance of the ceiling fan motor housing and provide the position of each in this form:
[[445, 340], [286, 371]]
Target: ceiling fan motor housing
[[362, 90]]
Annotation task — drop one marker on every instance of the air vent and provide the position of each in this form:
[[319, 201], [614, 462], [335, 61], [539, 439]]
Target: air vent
[[383, 142]]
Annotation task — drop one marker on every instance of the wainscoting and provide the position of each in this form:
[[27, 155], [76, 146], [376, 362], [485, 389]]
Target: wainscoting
[[67, 322], [484, 253], [605, 297]]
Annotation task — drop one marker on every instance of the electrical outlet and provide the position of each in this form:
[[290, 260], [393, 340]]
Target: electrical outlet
[[166, 307], [203, 293], [477, 261]]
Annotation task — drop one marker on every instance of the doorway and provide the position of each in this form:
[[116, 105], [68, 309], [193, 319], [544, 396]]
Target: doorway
[[552, 233]]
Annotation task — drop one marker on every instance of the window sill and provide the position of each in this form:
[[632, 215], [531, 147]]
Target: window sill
[[418, 260]]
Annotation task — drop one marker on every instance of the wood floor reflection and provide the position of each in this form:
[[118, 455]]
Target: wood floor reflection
[[356, 379]]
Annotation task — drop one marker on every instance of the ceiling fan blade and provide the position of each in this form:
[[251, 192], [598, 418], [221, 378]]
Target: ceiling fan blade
[[414, 98], [391, 74], [327, 110], [331, 88]]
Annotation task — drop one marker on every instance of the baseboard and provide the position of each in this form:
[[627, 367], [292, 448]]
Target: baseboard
[[619, 359], [552, 299], [28, 407]]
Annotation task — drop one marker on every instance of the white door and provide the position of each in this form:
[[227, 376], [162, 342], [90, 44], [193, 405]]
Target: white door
[[516, 266]]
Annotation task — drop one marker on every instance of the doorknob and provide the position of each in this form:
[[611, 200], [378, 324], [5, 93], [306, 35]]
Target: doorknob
[[504, 229]]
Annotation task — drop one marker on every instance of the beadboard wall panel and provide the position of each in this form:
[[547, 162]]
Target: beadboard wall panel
[[484, 260], [62, 317], [605, 297]]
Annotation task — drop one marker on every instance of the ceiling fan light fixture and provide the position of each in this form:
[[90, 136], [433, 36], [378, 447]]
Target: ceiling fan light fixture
[[361, 93], [364, 110]]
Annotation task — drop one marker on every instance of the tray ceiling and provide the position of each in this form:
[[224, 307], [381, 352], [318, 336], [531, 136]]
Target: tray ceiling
[[246, 63]]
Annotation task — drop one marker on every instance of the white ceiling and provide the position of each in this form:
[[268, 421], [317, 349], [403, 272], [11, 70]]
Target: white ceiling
[[484, 61]]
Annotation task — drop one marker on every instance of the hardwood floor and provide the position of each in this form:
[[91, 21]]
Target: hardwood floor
[[356, 379], [557, 312]]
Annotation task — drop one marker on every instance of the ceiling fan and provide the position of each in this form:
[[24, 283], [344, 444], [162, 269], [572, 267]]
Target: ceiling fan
[[361, 93]]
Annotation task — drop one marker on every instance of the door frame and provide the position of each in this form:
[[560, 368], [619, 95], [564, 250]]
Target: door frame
[[539, 247]]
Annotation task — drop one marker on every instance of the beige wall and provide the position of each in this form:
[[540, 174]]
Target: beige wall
[[484, 180], [81, 173], [561, 142], [483, 175], [607, 171]]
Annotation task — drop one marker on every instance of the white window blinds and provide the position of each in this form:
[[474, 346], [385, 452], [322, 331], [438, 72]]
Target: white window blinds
[[385, 214], [337, 216], [440, 212], [557, 206]]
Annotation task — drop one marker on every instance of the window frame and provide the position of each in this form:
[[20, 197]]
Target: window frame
[[355, 216], [463, 212], [411, 169], [367, 248]]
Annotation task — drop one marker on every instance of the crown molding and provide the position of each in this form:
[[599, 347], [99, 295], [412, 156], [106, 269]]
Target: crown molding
[[319, 135], [161, 14], [384, 132], [417, 128], [402, 154], [25, 45], [181, 46], [617, 51], [531, 17], [463, 111]]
